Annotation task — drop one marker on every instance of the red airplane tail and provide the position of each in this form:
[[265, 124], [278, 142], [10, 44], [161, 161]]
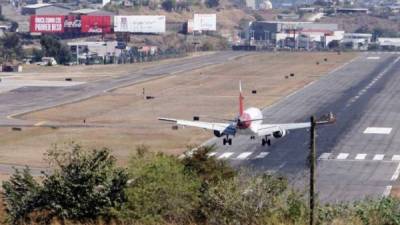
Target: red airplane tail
[[241, 99]]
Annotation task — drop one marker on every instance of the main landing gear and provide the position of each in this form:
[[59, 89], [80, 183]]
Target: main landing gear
[[266, 140], [227, 140]]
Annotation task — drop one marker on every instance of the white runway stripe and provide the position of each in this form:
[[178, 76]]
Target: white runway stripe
[[325, 156], [396, 158], [342, 156], [261, 155], [378, 157], [225, 155], [361, 156], [244, 155], [378, 130], [211, 154]]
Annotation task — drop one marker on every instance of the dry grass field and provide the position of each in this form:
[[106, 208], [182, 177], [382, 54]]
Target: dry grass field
[[129, 120]]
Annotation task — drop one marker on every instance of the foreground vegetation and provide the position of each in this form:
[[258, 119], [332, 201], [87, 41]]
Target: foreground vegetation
[[87, 187]]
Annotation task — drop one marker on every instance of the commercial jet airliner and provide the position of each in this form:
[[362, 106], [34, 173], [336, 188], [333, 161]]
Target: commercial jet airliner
[[249, 122]]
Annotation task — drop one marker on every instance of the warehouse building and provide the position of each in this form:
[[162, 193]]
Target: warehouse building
[[290, 34], [357, 41], [45, 9]]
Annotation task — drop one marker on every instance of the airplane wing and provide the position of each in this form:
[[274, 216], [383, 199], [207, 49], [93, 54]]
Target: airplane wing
[[267, 129], [221, 127]]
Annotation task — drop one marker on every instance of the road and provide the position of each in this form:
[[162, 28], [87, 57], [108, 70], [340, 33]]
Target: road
[[359, 155]]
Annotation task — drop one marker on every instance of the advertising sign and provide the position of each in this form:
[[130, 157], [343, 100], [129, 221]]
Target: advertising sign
[[96, 24], [47, 24], [139, 24], [72, 22], [205, 22]]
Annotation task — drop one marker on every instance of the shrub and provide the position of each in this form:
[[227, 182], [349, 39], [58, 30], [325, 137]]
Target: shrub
[[161, 190]]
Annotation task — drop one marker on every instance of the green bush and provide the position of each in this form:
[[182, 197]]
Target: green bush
[[161, 191], [83, 185]]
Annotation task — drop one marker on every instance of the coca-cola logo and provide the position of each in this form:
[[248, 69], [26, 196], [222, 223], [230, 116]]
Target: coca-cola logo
[[73, 23], [95, 30]]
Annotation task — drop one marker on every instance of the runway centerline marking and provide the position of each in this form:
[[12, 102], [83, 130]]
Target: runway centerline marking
[[342, 156], [244, 155], [396, 158], [361, 156], [225, 155], [325, 156], [378, 157], [261, 155], [374, 57], [378, 130]]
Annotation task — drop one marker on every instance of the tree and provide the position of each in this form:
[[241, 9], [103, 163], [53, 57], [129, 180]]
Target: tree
[[11, 46], [169, 5], [334, 44], [258, 17], [52, 47], [21, 195], [161, 190], [212, 3], [83, 185]]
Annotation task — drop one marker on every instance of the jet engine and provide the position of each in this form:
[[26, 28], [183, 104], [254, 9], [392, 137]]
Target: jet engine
[[218, 133], [279, 134]]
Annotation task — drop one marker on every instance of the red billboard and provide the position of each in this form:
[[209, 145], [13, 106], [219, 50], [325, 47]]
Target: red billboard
[[96, 24], [47, 24]]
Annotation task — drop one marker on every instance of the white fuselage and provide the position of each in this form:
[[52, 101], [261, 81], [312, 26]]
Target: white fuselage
[[253, 119]]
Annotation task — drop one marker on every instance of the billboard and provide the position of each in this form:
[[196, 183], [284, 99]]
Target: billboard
[[47, 24], [96, 24], [205, 22], [139, 24]]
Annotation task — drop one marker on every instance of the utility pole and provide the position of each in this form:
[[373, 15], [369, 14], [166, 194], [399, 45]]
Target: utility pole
[[312, 170], [325, 120]]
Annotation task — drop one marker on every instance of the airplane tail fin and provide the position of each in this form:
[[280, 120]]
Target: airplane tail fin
[[241, 98]]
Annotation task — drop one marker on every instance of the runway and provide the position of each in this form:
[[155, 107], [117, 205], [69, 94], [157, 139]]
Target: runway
[[359, 155], [18, 99]]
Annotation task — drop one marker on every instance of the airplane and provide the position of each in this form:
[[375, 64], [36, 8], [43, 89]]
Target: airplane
[[249, 122]]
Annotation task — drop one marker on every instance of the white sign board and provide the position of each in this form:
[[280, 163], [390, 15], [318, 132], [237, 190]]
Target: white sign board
[[205, 22], [105, 2], [139, 24]]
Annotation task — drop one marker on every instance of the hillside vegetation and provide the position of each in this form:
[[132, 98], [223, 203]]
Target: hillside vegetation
[[86, 187]]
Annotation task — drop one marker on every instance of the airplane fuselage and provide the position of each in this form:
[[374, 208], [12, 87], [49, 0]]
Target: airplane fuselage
[[252, 119]]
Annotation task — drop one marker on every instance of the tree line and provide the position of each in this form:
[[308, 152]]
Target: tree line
[[87, 187]]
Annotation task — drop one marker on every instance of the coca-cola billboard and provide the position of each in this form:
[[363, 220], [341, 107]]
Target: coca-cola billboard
[[72, 22], [47, 24], [96, 24]]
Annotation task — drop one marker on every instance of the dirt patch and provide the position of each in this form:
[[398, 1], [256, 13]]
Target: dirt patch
[[130, 119]]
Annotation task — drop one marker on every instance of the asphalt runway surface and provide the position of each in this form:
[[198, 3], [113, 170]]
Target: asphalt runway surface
[[359, 155], [17, 99], [35, 97]]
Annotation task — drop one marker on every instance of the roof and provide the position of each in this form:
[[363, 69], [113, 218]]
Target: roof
[[36, 6], [94, 12], [84, 11]]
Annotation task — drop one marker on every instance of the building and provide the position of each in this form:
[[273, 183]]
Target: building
[[288, 34], [45, 9], [91, 12], [356, 41], [259, 4], [352, 10], [84, 52], [389, 43]]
